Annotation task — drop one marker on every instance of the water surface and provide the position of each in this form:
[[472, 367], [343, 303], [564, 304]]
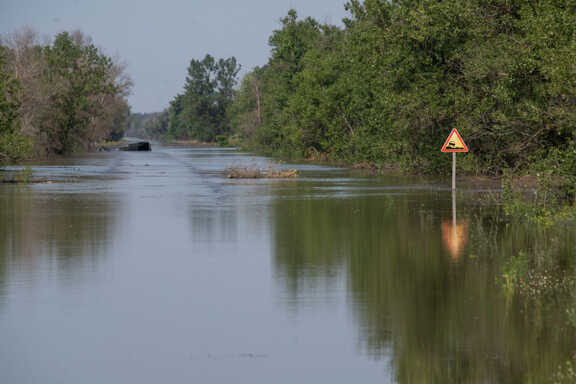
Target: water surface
[[153, 267]]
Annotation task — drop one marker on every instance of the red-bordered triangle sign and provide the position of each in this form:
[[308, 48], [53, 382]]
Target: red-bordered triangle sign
[[454, 143]]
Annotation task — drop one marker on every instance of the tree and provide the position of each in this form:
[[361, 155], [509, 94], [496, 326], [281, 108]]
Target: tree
[[26, 62], [79, 74], [201, 111], [263, 111], [391, 85], [70, 95], [13, 146], [245, 112]]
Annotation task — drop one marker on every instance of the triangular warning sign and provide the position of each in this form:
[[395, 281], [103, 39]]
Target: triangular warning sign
[[454, 143]]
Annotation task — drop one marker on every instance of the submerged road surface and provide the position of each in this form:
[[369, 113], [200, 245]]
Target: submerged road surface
[[155, 268]]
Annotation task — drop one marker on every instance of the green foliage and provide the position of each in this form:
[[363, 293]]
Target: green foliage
[[513, 272], [119, 118], [390, 86], [79, 73], [222, 140], [9, 102], [542, 200], [566, 374], [13, 146], [201, 111], [60, 97], [557, 172]]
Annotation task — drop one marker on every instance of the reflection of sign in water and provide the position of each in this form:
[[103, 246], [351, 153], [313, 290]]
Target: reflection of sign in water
[[454, 233], [454, 236], [454, 143]]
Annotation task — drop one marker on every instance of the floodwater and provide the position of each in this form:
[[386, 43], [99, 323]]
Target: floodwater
[[154, 268]]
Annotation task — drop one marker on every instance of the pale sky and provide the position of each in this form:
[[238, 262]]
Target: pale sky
[[157, 39]]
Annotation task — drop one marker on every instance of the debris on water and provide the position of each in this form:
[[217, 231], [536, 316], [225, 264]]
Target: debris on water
[[272, 171]]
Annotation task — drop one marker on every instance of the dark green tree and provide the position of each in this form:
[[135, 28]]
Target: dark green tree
[[390, 86], [201, 111], [13, 146]]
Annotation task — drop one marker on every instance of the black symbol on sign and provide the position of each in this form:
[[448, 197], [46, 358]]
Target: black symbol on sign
[[452, 144]]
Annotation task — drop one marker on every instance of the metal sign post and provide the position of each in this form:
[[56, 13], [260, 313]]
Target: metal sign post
[[454, 209], [453, 171]]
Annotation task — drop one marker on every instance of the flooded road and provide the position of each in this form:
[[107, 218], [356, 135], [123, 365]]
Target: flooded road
[[153, 267]]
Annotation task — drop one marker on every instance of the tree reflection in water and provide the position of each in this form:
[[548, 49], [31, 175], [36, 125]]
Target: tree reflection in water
[[58, 234], [417, 291]]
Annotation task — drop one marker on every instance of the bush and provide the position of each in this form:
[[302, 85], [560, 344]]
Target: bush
[[222, 140]]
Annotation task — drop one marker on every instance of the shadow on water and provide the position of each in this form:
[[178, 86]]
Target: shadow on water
[[426, 288]]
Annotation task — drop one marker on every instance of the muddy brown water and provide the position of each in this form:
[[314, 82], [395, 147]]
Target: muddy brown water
[[154, 268]]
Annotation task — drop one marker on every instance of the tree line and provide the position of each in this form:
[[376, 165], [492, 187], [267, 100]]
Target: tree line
[[201, 111], [58, 97], [388, 86]]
